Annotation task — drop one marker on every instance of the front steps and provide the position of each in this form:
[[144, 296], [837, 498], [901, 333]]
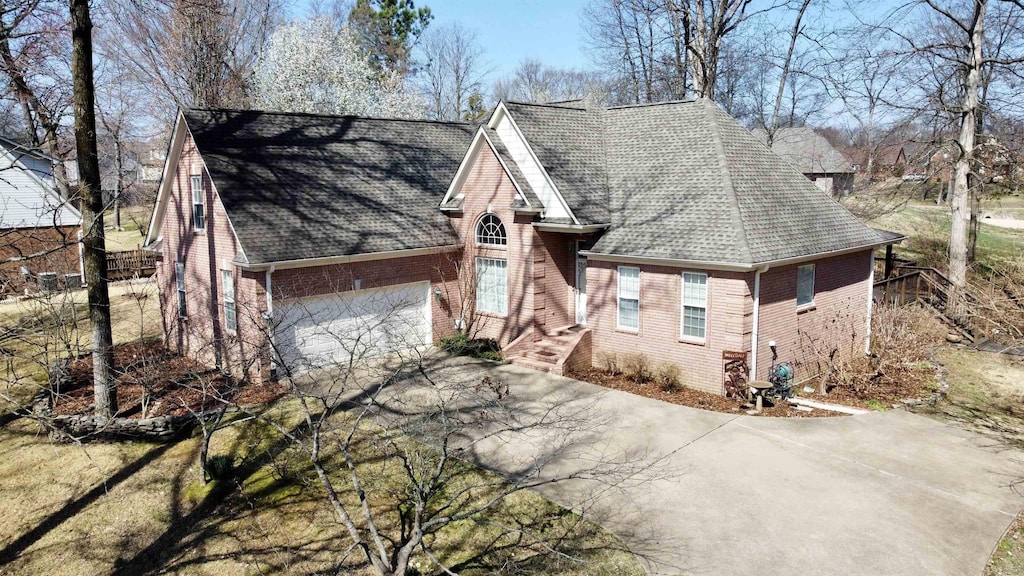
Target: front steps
[[555, 352]]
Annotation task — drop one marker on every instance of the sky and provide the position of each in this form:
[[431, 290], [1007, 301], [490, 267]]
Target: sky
[[513, 30]]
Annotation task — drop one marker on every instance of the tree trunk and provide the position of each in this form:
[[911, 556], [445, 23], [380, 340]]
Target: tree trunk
[[117, 181], [972, 229], [784, 75], [93, 243], [961, 190]]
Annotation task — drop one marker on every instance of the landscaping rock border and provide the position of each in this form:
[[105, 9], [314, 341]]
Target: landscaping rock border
[[86, 427], [941, 377]]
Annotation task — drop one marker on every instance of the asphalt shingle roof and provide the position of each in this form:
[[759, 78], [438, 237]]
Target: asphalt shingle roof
[[809, 151], [569, 142], [301, 186], [685, 181]]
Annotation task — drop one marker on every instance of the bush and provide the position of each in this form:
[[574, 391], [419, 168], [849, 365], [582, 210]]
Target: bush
[[462, 345], [670, 377], [609, 362], [638, 368]]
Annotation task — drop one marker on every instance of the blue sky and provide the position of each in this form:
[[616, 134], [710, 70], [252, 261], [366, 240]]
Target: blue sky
[[510, 31]]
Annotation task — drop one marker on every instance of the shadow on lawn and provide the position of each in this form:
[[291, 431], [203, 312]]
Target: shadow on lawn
[[16, 547]]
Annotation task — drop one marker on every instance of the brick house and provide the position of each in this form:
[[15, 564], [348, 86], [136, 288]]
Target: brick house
[[39, 229], [564, 232]]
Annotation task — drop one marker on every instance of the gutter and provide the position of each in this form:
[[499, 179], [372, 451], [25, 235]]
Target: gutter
[[734, 266], [308, 262], [576, 228], [756, 320]]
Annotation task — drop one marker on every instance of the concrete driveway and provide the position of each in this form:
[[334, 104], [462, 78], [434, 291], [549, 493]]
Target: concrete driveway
[[884, 493]]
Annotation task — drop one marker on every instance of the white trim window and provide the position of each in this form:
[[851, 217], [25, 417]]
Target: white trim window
[[490, 231], [805, 286], [492, 285], [179, 280], [198, 203], [230, 314], [694, 306], [628, 316]]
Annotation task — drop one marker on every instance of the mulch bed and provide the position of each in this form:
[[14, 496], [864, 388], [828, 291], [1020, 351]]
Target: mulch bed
[[907, 383], [691, 397], [177, 386]]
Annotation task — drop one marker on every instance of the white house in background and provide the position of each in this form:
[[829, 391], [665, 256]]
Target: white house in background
[[39, 229]]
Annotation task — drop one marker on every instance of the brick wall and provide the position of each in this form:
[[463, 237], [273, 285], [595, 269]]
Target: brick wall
[[728, 316], [838, 320], [487, 185], [22, 242], [203, 334]]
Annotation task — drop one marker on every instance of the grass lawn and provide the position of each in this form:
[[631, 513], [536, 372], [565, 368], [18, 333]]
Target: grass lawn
[[137, 508], [986, 396], [927, 228], [134, 224]]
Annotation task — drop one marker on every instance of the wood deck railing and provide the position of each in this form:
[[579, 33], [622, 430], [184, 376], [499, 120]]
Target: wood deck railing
[[927, 286], [125, 264]]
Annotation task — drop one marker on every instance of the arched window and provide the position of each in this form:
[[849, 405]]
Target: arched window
[[490, 231]]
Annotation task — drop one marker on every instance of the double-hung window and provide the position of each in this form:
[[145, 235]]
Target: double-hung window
[[629, 298], [805, 286], [230, 317], [695, 306], [179, 279], [492, 285], [198, 204]]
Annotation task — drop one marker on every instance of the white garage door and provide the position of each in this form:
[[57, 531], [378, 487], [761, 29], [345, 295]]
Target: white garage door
[[323, 330]]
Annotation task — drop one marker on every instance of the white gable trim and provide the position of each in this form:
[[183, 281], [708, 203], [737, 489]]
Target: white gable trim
[[455, 188], [155, 236], [501, 112]]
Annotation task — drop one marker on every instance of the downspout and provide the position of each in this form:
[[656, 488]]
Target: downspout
[[753, 332], [871, 298], [270, 321]]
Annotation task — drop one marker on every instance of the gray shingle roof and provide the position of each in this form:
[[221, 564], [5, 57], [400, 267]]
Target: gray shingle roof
[[299, 186], [687, 182], [809, 151], [569, 142]]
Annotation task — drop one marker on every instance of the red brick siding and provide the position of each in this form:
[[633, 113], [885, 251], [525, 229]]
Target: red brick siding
[[554, 273], [203, 335], [659, 333], [23, 242], [487, 184], [838, 320]]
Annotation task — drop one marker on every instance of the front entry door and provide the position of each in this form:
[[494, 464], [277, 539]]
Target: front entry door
[[581, 290]]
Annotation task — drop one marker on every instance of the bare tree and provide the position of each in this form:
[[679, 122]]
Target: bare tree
[[533, 81], [93, 243], [958, 44], [33, 58], [452, 71]]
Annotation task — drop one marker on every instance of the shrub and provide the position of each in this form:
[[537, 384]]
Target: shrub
[[670, 377], [462, 345], [638, 368], [609, 362]]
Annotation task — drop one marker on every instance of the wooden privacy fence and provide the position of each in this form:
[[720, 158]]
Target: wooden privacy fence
[[125, 264]]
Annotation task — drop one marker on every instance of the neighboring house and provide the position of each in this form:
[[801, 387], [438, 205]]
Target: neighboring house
[[814, 157], [562, 232], [39, 229]]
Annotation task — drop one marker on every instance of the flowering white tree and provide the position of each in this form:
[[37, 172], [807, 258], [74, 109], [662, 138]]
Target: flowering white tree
[[314, 66]]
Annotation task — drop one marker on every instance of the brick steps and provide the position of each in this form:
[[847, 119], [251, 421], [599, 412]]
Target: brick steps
[[548, 353]]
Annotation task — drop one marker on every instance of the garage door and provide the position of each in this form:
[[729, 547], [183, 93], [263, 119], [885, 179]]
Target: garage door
[[323, 330]]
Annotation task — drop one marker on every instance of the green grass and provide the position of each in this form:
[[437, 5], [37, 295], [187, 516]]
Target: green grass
[[134, 224], [927, 227]]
